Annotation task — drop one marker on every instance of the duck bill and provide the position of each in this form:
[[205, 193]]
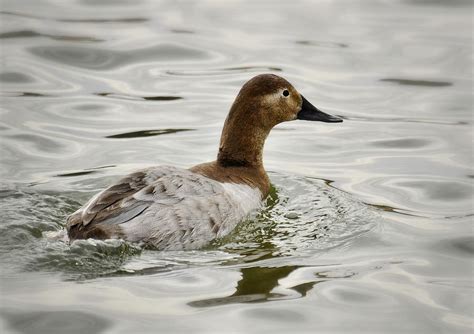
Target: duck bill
[[309, 112]]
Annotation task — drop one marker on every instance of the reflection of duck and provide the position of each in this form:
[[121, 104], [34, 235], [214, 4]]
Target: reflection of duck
[[172, 208], [257, 284]]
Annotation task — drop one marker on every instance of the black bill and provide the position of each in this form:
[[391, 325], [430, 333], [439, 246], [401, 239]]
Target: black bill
[[309, 112]]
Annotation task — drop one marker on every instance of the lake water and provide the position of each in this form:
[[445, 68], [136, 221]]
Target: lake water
[[369, 227]]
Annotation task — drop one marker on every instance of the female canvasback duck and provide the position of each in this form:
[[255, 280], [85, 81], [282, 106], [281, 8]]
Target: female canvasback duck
[[181, 209]]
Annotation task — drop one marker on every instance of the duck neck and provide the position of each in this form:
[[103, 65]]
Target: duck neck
[[241, 143]]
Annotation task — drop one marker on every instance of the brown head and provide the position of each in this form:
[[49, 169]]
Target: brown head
[[263, 102]]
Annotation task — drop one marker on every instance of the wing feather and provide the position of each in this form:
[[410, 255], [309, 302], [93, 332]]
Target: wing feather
[[115, 204]]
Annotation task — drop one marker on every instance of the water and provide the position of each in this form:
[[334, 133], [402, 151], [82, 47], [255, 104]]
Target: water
[[369, 226]]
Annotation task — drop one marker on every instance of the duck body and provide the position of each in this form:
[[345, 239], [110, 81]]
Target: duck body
[[165, 207], [170, 208]]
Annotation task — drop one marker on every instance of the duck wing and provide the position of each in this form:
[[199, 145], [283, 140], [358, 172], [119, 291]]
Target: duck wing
[[123, 200]]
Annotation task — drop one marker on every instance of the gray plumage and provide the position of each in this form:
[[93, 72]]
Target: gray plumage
[[165, 207]]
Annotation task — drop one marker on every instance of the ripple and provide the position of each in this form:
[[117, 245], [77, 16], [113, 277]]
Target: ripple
[[402, 120], [162, 98], [57, 321], [336, 220], [104, 59], [36, 143], [32, 77], [345, 294], [79, 56], [95, 20], [224, 71], [407, 143], [424, 196], [113, 3], [440, 190], [182, 31], [302, 215], [19, 14], [15, 77], [81, 173], [83, 259], [147, 133], [26, 215], [23, 94], [417, 144], [83, 110], [284, 316], [32, 33], [252, 68], [104, 20], [323, 44], [463, 246], [440, 3], [145, 98], [411, 82]]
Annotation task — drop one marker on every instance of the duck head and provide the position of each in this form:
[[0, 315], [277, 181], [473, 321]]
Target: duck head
[[263, 102], [268, 99]]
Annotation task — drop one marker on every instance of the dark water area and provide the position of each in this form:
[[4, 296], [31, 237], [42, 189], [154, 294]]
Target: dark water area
[[369, 227]]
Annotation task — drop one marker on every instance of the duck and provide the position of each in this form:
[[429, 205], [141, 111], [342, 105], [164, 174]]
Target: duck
[[171, 208]]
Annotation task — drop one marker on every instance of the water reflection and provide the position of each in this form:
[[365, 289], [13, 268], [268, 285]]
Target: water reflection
[[257, 285]]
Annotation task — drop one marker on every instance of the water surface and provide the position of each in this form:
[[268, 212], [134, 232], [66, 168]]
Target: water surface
[[369, 225]]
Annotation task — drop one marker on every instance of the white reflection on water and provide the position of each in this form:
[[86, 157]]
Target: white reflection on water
[[371, 230]]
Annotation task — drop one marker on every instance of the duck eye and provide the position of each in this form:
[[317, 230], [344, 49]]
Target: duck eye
[[286, 93]]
